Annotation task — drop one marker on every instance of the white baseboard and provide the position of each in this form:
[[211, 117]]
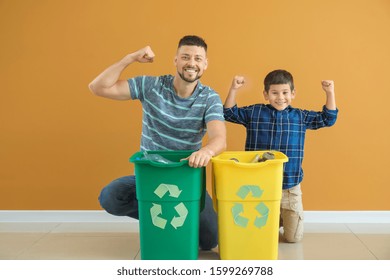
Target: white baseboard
[[74, 216], [61, 216], [345, 217]]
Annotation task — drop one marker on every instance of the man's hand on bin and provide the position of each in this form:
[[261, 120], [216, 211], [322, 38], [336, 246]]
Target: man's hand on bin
[[199, 158]]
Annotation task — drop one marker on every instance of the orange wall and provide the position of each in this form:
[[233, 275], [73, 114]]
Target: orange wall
[[60, 144]]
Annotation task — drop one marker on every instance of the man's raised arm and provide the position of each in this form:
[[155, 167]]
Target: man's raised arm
[[107, 83]]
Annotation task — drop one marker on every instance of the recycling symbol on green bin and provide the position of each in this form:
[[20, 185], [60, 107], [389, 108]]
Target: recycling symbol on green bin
[[261, 208], [156, 209]]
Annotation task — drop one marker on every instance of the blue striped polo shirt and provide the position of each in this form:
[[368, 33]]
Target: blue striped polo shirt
[[170, 122]]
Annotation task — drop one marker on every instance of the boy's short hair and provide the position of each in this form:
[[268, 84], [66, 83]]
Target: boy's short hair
[[278, 77], [192, 40]]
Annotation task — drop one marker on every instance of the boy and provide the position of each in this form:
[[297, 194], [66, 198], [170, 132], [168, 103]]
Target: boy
[[278, 126]]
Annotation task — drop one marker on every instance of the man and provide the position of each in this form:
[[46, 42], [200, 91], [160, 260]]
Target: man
[[177, 112]]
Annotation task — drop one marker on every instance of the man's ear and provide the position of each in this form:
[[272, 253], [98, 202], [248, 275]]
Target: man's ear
[[293, 94]]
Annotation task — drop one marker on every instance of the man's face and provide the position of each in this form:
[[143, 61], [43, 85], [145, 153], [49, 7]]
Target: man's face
[[191, 61], [279, 96]]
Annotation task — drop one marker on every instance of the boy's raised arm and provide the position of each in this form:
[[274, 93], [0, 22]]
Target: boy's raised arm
[[328, 87], [238, 82]]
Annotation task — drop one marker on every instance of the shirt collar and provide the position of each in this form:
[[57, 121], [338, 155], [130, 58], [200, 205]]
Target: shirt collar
[[199, 87], [287, 109]]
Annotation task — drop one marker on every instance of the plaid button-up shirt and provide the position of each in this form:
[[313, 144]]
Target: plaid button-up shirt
[[284, 131]]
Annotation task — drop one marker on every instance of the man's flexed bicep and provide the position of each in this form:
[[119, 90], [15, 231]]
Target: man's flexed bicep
[[107, 84], [118, 91]]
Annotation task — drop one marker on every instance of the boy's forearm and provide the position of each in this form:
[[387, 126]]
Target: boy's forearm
[[328, 87], [230, 99], [330, 101]]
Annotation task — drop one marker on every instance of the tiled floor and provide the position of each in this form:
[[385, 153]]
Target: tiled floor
[[120, 241]]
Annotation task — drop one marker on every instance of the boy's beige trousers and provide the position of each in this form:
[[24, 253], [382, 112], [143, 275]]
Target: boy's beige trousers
[[291, 214]]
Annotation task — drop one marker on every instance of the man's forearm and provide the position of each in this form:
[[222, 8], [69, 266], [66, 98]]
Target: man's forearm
[[216, 145]]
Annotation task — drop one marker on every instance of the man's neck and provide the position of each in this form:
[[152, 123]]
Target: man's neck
[[183, 89]]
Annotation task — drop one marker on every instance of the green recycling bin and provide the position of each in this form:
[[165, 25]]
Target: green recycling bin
[[169, 198]]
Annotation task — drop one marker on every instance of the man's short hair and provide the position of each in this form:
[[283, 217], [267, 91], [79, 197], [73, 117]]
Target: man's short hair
[[192, 40]]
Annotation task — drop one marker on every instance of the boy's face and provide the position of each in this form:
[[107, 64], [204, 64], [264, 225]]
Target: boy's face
[[279, 96], [191, 61]]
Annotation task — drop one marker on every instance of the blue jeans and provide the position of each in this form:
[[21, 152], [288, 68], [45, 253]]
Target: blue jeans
[[119, 198]]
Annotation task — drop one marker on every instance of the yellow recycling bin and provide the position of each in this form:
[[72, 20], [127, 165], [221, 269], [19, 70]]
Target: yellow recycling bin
[[247, 198]]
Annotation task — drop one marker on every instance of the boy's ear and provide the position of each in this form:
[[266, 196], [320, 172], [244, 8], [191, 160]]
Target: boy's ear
[[265, 95], [293, 94]]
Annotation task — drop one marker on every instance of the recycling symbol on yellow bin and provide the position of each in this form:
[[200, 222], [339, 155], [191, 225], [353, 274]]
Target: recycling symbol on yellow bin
[[261, 208], [156, 209]]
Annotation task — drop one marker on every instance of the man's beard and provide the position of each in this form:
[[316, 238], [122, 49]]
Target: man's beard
[[197, 77]]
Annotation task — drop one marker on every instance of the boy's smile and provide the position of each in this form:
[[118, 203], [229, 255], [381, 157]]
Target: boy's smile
[[279, 96]]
